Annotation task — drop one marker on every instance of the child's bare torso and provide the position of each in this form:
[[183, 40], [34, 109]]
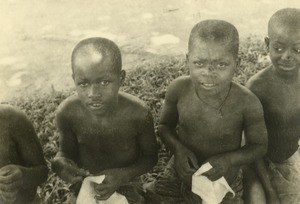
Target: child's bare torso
[[107, 142], [281, 103], [205, 131], [107, 145]]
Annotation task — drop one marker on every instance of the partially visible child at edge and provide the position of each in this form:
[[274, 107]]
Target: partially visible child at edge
[[104, 131], [211, 112], [22, 165], [278, 88]]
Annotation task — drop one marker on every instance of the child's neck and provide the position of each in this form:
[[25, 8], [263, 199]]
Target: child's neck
[[214, 99], [290, 78], [110, 113]]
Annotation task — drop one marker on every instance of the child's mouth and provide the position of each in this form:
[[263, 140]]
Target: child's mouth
[[208, 85], [286, 67], [95, 106]]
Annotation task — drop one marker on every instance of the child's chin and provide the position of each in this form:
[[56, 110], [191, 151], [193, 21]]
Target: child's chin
[[97, 110], [288, 70], [208, 86]]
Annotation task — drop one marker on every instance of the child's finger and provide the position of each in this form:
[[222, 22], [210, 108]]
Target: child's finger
[[75, 171], [193, 162], [213, 174], [6, 179], [101, 188], [103, 195], [11, 186], [210, 172], [4, 171], [215, 177], [74, 179], [8, 196], [82, 172]]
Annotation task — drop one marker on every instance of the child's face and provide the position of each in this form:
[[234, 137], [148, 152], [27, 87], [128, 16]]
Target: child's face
[[211, 66], [284, 47], [97, 83]]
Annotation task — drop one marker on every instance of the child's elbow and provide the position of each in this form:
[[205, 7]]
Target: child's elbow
[[44, 174], [263, 149], [55, 165], [154, 159], [161, 130]]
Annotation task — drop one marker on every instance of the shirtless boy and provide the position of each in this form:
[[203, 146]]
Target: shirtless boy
[[278, 88], [22, 165], [211, 112], [104, 131]]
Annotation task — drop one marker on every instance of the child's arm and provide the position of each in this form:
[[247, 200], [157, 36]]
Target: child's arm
[[263, 174], [256, 142], [33, 170], [64, 162], [114, 178], [185, 161]]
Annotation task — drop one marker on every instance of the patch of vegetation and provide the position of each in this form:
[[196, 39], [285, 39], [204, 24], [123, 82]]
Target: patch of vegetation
[[148, 81]]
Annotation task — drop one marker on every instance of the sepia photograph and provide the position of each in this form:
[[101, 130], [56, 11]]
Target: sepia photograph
[[149, 102]]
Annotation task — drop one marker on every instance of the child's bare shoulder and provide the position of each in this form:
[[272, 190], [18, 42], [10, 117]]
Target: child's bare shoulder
[[10, 118], [11, 114], [132, 105], [258, 82], [180, 83], [177, 87], [68, 107], [244, 95]]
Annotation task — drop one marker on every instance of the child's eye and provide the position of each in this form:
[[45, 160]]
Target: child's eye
[[199, 64], [221, 65], [83, 84], [297, 50], [278, 49], [104, 83]]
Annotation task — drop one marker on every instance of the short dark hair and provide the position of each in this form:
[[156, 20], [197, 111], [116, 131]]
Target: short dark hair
[[284, 17], [100, 45], [216, 31]]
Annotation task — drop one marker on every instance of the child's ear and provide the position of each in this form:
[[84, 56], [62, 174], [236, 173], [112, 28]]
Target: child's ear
[[267, 42], [187, 57], [122, 76]]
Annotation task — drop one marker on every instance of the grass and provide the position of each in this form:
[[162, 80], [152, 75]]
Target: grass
[[148, 81]]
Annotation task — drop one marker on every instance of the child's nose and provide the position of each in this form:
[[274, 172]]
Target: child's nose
[[208, 70], [94, 91], [287, 55]]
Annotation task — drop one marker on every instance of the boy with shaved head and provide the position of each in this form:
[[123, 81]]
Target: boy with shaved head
[[210, 112], [104, 131], [278, 88]]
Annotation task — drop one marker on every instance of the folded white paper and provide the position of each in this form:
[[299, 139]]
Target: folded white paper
[[211, 192], [87, 194]]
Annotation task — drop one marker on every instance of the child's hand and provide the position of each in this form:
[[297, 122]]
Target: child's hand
[[69, 171], [11, 179], [186, 164], [113, 180], [220, 164]]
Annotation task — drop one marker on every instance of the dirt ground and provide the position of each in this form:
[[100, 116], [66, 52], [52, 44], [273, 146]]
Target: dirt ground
[[37, 37]]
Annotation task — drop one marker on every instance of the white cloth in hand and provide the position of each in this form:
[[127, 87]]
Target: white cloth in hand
[[87, 194], [211, 192]]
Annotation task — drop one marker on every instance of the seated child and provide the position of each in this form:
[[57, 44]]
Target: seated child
[[210, 112], [278, 88], [22, 165], [104, 131]]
